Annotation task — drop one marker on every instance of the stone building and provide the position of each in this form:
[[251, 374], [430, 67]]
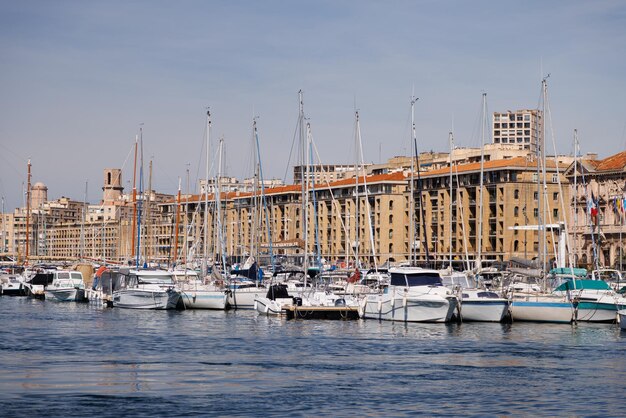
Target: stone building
[[451, 220], [598, 211]]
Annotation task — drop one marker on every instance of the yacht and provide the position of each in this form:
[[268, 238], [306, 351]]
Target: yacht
[[478, 302], [12, 285], [413, 295], [147, 289], [66, 286]]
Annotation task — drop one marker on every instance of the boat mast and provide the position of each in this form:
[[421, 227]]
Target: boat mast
[[82, 227], [576, 153], [419, 188], [149, 247], [304, 170], [541, 171], [218, 204], [27, 215], [357, 202], [264, 199], [176, 228], [451, 137], [140, 198], [206, 196], [361, 166], [134, 199], [479, 230], [412, 237]]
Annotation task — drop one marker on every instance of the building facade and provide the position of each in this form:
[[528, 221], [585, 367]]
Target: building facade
[[598, 211]]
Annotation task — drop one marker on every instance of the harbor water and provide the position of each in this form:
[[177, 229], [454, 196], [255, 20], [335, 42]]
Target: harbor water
[[68, 359]]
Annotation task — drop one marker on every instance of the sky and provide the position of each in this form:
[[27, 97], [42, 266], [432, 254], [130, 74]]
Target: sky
[[78, 79]]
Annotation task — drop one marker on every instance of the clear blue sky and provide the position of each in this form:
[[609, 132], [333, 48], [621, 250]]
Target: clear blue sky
[[78, 78]]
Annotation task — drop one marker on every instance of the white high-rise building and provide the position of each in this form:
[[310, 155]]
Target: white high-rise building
[[521, 127]]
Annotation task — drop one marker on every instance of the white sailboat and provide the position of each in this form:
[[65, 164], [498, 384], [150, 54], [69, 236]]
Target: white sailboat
[[195, 292]]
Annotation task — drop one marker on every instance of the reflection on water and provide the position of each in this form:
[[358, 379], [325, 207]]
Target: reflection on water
[[115, 361]]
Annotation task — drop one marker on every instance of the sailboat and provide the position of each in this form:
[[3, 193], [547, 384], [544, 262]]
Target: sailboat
[[527, 304], [477, 303], [243, 284], [197, 293]]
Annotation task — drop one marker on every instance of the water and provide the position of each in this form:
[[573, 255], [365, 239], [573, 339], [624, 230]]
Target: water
[[78, 360]]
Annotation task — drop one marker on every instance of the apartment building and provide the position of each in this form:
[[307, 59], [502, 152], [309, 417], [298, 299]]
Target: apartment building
[[598, 211]]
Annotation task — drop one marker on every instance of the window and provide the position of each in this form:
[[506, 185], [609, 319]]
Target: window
[[535, 177], [526, 117], [536, 195], [390, 233], [555, 214], [536, 212], [555, 196], [516, 211], [555, 178], [516, 194], [390, 219]]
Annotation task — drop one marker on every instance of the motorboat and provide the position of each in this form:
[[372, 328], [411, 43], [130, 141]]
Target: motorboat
[[147, 289], [413, 295], [12, 285], [275, 301], [66, 286], [477, 302]]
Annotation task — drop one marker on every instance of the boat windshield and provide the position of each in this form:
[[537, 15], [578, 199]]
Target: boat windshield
[[416, 279], [164, 279]]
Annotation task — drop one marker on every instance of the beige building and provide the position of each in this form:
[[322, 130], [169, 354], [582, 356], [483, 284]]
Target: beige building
[[450, 222], [598, 239]]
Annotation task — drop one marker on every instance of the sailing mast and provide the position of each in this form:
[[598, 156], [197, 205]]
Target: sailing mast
[[451, 137], [264, 199], [177, 222], [419, 184], [82, 227], [27, 215], [218, 204], [357, 203], [206, 197], [412, 237], [361, 166], [304, 174], [140, 203], [479, 230], [134, 199]]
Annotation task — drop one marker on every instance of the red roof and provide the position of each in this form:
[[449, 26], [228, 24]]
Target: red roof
[[615, 162]]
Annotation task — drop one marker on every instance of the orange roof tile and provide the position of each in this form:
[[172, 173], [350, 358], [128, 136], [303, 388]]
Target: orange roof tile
[[521, 162], [615, 162]]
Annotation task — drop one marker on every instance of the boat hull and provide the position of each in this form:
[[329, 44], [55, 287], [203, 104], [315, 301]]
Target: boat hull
[[266, 306], [542, 310], [484, 310], [204, 299], [69, 294], [597, 312], [424, 308], [244, 298], [146, 299], [622, 319]]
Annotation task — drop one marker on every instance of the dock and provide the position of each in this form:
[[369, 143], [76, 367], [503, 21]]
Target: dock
[[322, 312]]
